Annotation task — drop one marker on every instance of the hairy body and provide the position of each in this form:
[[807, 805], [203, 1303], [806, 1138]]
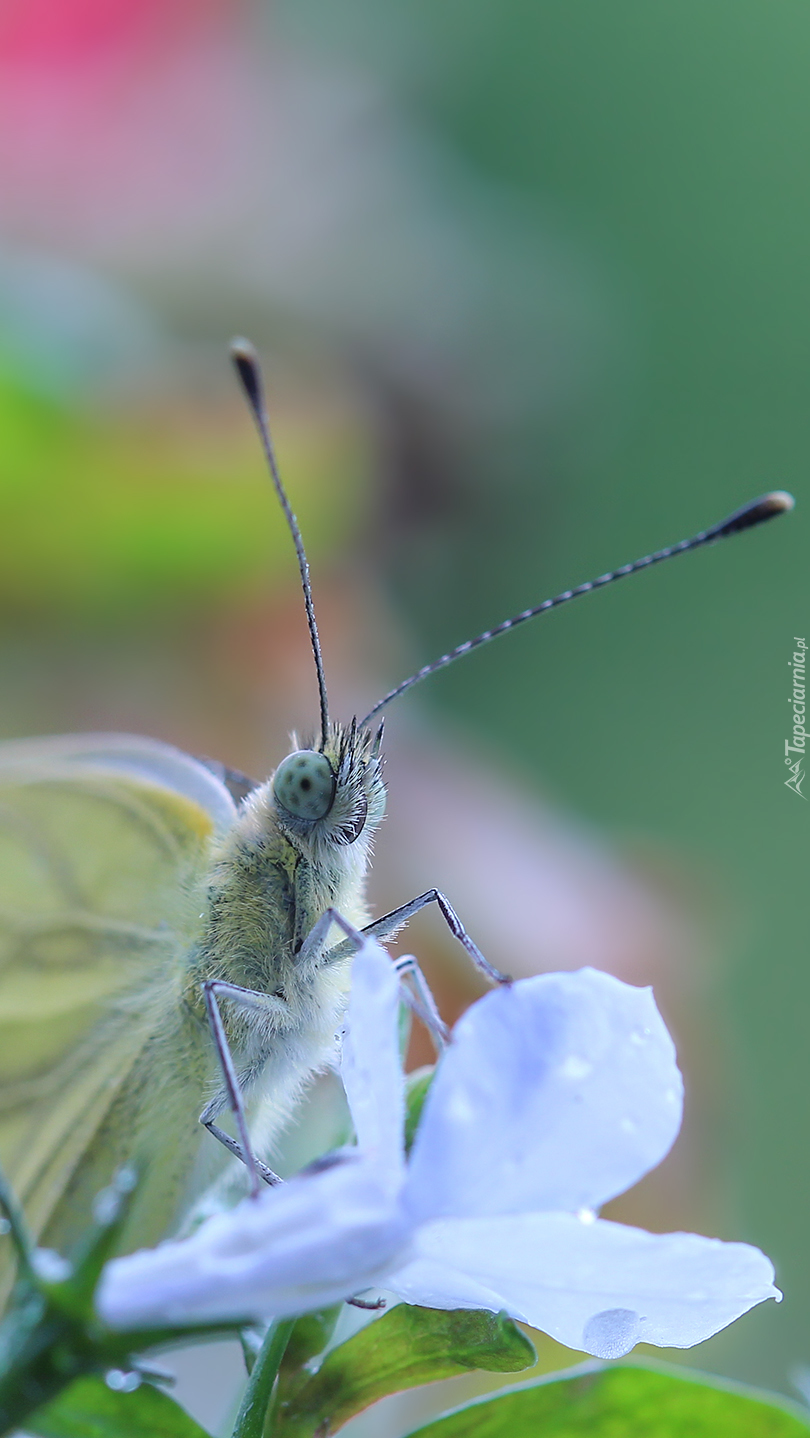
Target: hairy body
[[128, 881]]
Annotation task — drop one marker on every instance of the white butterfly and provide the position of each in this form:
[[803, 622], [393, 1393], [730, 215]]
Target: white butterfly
[[173, 939]]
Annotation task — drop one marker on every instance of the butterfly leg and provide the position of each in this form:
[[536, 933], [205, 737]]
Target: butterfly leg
[[243, 1151], [311, 949], [418, 996], [390, 923], [421, 1000]]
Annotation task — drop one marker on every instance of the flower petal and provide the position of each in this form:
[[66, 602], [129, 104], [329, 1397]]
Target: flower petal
[[371, 1068], [597, 1286], [557, 1092], [321, 1237]]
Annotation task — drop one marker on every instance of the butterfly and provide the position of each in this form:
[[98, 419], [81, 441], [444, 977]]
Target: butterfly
[[176, 941]]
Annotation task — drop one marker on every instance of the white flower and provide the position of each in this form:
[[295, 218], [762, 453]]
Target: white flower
[[555, 1094]]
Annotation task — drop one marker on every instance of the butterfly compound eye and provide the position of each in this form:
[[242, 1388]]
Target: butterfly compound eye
[[305, 785]]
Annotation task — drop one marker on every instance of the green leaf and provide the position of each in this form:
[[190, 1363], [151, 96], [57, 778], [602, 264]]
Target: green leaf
[[17, 1229], [417, 1086], [74, 1294], [89, 1409], [407, 1347], [310, 1336], [624, 1401]]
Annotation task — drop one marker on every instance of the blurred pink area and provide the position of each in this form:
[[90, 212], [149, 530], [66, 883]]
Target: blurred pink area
[[112, 115], [67, 30]]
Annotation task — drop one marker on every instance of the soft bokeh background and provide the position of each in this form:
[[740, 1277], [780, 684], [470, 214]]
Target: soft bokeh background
[[531, 282]]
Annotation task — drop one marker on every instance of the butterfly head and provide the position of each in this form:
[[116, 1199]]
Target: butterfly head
[[336, 793]]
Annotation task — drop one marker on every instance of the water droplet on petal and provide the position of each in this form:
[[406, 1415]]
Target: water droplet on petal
[[122, 1381], [612, 1333], [640, 1035], [574, 1067], [459, 1110]]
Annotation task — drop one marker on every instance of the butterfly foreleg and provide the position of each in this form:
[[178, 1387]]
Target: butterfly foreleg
[[310, 950], [247, 999], [418, 996], [387, 926], [420, 999], [389, 923]]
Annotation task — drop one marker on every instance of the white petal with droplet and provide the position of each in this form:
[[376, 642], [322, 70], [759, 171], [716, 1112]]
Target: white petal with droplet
[[308, 1243], [599, 1287], [546, 1099]]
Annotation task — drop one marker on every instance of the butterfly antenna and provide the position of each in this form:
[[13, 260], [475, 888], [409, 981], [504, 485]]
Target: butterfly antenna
[[248, 368], [768, 505]]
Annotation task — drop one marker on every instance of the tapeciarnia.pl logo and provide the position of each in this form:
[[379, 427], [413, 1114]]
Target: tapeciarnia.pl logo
[[797, 748]]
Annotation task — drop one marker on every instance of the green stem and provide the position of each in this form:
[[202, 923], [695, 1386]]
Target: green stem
[[17, 1230], [250, 1419], [35, 1362]]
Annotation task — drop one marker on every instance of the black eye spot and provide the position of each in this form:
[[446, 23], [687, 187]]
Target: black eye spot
[[306, 784]]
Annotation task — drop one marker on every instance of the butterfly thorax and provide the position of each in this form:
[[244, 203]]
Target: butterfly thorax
[[275, 873]]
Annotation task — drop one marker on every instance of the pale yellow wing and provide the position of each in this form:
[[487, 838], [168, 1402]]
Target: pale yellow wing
[[103, 848]]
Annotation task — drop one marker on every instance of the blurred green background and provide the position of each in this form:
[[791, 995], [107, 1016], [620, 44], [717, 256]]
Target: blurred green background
[[532, 283]]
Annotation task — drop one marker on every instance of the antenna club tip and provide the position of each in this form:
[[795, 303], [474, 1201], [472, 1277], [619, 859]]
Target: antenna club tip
[[778, 501], [757, 512], [249, 370], [243, 353]]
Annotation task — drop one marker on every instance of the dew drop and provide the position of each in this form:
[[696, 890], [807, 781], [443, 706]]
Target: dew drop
[[612, 1333], [459, 1110], [51, 1267], [640, 1036], [574, 1067], [106, 1206], [122, 1382]]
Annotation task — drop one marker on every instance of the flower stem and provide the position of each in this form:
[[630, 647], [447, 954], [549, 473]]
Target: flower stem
[[17, 1228], [250, 1420]]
